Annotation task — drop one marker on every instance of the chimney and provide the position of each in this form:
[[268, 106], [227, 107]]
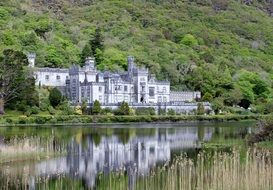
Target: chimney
[[31, 59]]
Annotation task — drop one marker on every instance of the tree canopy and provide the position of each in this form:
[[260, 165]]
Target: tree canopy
[[197, 45], [16, 81]]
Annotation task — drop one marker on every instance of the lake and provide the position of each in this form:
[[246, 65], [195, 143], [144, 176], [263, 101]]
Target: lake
[[133, 156]]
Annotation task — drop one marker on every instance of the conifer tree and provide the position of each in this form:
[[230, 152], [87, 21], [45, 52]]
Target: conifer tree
[[97, 45], [86, 52], [96, 109], [124, 109], [55, 97], [200, 109]]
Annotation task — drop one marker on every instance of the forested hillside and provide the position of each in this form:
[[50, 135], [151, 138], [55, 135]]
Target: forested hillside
[[222, 48]]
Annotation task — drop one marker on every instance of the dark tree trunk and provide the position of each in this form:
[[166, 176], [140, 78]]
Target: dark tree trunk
[[2, 106]]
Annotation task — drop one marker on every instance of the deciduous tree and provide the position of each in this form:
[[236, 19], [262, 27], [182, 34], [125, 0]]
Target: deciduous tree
[[14, 76]]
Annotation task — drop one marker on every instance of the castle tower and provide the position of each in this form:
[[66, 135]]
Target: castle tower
[[31, 59], [90, 62], [131, 63]]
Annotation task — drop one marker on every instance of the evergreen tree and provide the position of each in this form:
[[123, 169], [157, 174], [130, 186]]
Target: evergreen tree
[[86, 52], [84, 107], [97, 41], [200, 109], [94, 48], [124, 109], [55, 97], [96, 109], [97, 46]]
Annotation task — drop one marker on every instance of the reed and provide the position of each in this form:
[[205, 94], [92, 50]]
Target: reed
[[30, 148], [209, 171]]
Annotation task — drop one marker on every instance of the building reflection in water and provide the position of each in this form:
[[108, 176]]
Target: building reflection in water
[[137, 156]]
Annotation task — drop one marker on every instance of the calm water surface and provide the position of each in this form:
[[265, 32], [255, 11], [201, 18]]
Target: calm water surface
[[32, 156]]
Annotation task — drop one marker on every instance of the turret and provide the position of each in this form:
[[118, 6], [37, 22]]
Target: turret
[[131, 63], [90, 62], [31, 59]]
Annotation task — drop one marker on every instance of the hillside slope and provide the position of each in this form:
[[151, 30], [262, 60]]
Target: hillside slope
[[197, 45]]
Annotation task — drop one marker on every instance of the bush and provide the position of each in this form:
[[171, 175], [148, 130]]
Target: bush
[[264, 132], [268, 108], [84, 107], [66, 108], [200, 109], [43, 106], [51, 110], [28, 113], [171, 112], [161, 111], [207, 97], [123, 109], [96, 109], [22, 106], [145, 111], [189, 40], [35, 110], [22, 120], [9, 120], [106, 111], [40, 120], [55, 97], [78, 110]]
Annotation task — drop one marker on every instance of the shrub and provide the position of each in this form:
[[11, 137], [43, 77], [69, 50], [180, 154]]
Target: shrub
[[22, 120], [43, 106], [55, 97], [40, 120], [106, 111], [84, 107], [9, 120], [66, 108], [207, 97], [145, 111], [78, 110], [28, 112], [268, 108], [171, 112], [22, 106], [264, 132], [35, 110], [161, 111], [200, 109], [123, 109], [53, 120], [51, 110], [189, 40], [96, 109]]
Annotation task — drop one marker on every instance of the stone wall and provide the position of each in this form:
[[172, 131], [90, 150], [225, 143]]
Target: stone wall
[[178, 107], [51, 76], [184, 96]]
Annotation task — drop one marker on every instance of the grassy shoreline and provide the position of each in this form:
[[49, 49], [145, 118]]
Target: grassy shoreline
[[96, 119]]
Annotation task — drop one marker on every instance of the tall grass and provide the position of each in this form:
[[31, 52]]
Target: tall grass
[[251, 170], [30, 148], [212, 171]]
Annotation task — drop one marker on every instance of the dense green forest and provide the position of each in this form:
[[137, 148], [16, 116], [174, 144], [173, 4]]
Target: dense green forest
[[222, 48]]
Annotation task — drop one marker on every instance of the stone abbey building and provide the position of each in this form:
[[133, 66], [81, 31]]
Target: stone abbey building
[[136, 86]]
